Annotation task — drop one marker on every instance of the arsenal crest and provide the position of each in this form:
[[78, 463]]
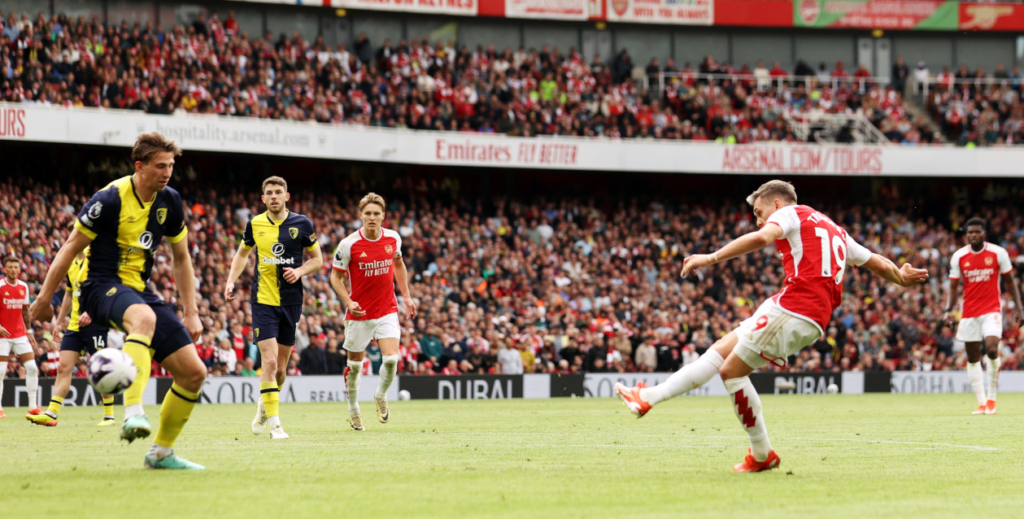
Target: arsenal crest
[[161, 215], [389, 249], [293, 232], [988, 261]]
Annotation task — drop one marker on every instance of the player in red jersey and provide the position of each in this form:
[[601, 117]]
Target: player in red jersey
[[815, 253], [981, 264], [14, 322], [371, 258]]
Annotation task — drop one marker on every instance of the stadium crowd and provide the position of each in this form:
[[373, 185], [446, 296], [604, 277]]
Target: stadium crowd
[[977, 110], [550, 285], [213, 67]]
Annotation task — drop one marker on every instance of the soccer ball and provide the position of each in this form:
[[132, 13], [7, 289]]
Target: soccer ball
[[111, 371], [404, 395], [833, 389]]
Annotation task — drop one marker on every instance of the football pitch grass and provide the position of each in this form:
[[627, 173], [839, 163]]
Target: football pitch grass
[[870, 455]]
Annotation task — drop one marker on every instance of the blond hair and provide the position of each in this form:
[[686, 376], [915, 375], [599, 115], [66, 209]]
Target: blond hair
[[275, 181], [149, 144], [371, 198], [774, 189]]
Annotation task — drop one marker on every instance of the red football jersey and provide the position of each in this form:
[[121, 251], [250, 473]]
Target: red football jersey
[[15, 297], [981, 272], [371, 271], [815, 252]]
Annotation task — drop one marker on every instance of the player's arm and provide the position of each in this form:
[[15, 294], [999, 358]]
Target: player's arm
[[237, 267], [313, 264], [338, 283], [28, 325], [745, 244], [185, 278], [905, 276], [402, 278], [951, 297], [41, 309]]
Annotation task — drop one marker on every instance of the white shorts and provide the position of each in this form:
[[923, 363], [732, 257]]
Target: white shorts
[[975, 329], [772, 334], [19, 345], [358, 334]]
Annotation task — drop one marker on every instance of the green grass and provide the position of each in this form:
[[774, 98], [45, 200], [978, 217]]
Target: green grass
[[842, 456]]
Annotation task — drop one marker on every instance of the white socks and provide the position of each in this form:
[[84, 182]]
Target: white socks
[[160, 452], [747, 406], [993, 376], [133, 410], [977, 379], [3, 374], [273, 420], [387, 374], [352, 384], [32, 383], [687, 379]]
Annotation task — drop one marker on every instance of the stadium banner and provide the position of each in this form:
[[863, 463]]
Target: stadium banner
[[21, 122], [934, 15], [246, 390], [600, 385], [547, 9], [949, 382], [467, 387], [796, 383], [674, 12], [875, 381], [991, 17], [567, 385], [754, 13], [80, 393], [456, 7]]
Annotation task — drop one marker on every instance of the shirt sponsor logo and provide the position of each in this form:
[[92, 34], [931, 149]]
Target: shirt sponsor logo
[[14, 304], [278, 250], [376, 268], [979, 275], [146, 240]]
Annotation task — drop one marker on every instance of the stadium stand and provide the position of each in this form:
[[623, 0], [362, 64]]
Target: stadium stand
[[578, 281], [213, 68]]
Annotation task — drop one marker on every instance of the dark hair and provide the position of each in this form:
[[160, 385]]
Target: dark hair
[[149, 144], [275, 181], [976, 221], [9, 258]]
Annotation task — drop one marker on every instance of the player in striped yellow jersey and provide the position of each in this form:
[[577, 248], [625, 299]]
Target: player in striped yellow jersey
[[82, 336], [279, 237]]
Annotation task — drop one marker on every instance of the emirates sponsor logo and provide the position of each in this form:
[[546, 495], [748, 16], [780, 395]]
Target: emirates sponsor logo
[[979, 275], [14, 303], [376, 268]]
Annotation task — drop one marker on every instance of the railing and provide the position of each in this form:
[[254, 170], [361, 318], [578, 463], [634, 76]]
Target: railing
[[764, 83], [975, 82], [827, 128]]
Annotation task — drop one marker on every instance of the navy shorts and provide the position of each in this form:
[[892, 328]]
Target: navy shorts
[[275, 322], [88, 340], [107, 302]]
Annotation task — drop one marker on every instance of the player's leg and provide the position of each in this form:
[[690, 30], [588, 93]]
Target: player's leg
[[992, 371], [268, 412], [108, 412], [174, 350], [357, 338], [284, 354], [5, 350], [387, 334], [28, 359], [139, 322], [68, 359], [289, 323], [747, 406], [969, 332]]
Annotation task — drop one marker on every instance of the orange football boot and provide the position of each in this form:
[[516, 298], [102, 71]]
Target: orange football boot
[[990, 407], [630, 397], [36, 411], [751, 465], [981, 409]]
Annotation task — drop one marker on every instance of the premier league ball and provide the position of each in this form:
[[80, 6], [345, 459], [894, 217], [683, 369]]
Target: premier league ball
[[404, 395], [111, 371]]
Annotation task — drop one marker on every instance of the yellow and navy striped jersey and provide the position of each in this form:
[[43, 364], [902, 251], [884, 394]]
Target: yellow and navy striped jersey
[[279, 246], [79, 270], [127, 230]]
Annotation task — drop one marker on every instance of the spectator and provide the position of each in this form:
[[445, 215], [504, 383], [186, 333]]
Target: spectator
[[335, 359], [899, 74], [314, 358], [226, 355]]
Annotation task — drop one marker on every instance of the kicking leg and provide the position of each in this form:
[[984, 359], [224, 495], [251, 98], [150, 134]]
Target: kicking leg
[[994, 363], [139, 321], [189, 373], [975, 374], [640, 399], [747, 406]]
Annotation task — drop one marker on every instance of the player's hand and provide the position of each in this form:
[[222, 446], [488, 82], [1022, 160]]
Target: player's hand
[[947, 318], [290, 275], [229, 292], [41, 311], [695, 262], [356, 310], [410, 309], [84, 319], [912, 276], [193, 326], [4, 333]]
